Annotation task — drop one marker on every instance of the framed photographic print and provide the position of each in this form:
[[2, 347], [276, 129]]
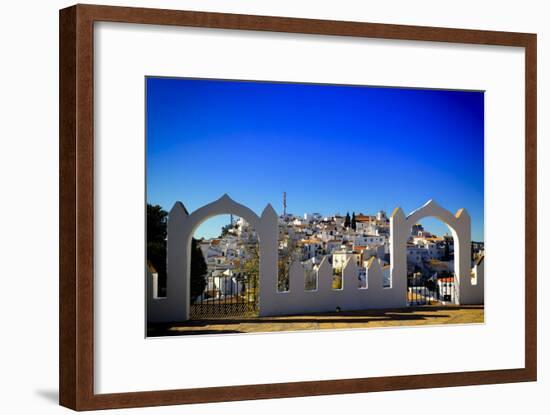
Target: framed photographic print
[[255, 207]]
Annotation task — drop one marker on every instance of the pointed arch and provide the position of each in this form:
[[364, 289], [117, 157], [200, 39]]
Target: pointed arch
[[223, 206], [460, 225], [181, 227]]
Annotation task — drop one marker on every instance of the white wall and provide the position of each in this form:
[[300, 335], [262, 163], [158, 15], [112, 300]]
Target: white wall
[[28, 213]]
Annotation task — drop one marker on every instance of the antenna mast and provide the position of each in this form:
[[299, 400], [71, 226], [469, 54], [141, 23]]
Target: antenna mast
[[284, 204]]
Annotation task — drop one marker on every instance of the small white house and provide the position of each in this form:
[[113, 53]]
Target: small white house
[[340, 257], [446, 288]]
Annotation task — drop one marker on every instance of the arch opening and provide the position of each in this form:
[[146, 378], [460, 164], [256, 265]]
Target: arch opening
[[460, 226], [182, 226], [288, 252], [430, 263], [225, 268]]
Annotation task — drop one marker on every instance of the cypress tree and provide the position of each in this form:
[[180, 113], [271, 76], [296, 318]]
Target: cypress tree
[[347, 221], [198, 270]]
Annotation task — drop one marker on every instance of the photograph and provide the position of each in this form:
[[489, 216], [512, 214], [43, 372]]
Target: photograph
[[286, 206]]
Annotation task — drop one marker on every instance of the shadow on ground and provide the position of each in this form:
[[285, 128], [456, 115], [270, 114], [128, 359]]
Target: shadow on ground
[[352, 319]]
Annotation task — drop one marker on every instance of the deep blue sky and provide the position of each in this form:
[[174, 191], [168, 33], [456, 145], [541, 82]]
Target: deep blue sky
[[331, 148]]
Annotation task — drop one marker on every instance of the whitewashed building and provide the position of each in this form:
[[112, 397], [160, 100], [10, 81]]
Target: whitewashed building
[[341, 256]]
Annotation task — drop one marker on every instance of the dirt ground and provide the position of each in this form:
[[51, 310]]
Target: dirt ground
[[410, 316]]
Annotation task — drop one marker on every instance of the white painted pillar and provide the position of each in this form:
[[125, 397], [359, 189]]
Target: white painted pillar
[[463, 254], [398, 256], [268, 232]]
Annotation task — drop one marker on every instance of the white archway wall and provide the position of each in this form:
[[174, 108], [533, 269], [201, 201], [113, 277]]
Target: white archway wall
[[181, 226], [417, 218], [180, 229], [460, 225], [326, 299]]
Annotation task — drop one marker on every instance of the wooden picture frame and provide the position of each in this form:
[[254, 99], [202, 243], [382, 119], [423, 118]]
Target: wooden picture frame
[[77, 206]]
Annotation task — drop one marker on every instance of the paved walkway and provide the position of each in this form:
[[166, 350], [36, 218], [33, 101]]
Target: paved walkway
[[410, 316]]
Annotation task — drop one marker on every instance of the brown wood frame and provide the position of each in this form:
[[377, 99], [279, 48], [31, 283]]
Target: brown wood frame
[[76, 154]]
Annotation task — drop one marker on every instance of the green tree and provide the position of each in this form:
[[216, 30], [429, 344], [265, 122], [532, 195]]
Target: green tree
[[353, 221], [156, 242], [156, 223], [227, 228], [157, 219], [347, 221], [251, 266], [199, 270], [285, 258]]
